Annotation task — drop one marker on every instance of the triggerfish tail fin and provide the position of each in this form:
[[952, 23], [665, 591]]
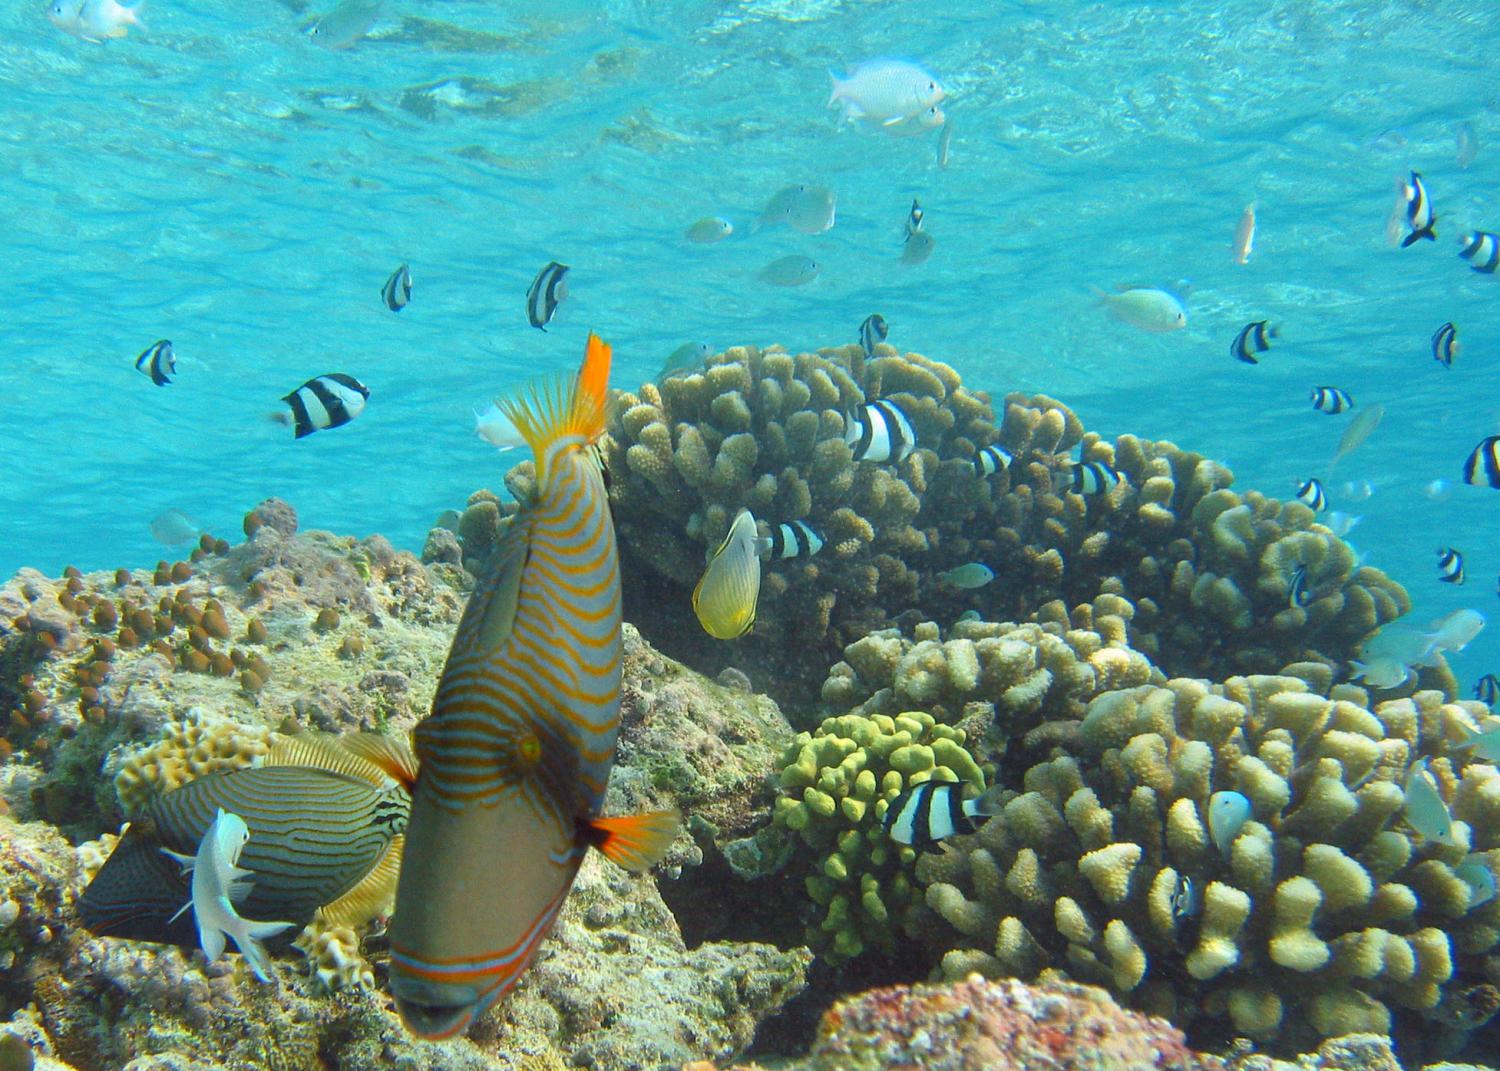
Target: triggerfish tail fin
[[562, 409], [635, 841]]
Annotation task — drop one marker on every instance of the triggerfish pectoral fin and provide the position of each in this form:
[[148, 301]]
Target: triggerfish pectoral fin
[[635, 841]]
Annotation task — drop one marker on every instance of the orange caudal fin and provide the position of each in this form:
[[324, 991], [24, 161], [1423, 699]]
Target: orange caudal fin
[[635, 841]]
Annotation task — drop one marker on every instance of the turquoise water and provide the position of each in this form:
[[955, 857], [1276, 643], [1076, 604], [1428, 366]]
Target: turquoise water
[[225, 182]]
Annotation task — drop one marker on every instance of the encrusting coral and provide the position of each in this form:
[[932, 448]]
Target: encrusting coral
[[1325, 915], [1204, 570]]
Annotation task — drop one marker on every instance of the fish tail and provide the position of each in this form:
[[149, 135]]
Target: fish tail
[[563, 408], [635, 841], [836, 90], [989, 802]]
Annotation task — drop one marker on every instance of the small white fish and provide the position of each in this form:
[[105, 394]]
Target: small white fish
[[1353, 491], [945, 144], [1466, 144], [884, 91], [173, 528], [791, 270], [1244, 235], [1147, 308], [1455, 631], [95, 20], [1381, 672], [1475, 872], [1227, 814], [685, 358], [970, 576], [497, 429], [217, 883], [1425, 808], [804, 208], [1341, 524], [346, 24], [917, 248], [708, 230], [1359, 429], [1438, 490]]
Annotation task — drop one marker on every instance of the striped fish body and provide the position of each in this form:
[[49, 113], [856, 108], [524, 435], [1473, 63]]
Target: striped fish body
[[314, 835], [1487, 689], [1482, 251], [880, 432], [1253, 338], [924, 816], [873, 331], [396, 293], [516, 752], [1093, 478], [1482, 468], [1445, 345], [1450, 566], [545, 294], [992, 459], [1331, 399], [792, 539], [1297, 593], [157, 362], [329, 401], [1310, 494], [1418, 212]]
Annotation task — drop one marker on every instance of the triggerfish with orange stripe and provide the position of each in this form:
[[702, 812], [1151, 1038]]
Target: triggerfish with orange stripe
[[516, 753]]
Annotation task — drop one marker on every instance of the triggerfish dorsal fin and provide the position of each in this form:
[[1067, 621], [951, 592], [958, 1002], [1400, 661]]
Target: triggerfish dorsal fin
[[322, 752], [562, 408], [634, 841], [375, 894], [391, 754], [502, 592]]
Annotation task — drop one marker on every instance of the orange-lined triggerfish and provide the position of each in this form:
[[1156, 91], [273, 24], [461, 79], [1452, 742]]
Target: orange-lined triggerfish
[[516, 753]]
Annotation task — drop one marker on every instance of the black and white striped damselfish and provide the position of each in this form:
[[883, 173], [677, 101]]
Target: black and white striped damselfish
[[880, 432], [1483, 465], [914, 218], [1094, 478], [1450, 566], [326, 817], [1487, 689], [1419, 217], [1310, 494], [517, 751], [992, 459], [396, 293], [158, 362], [1445, 345], [1297, 593], [1331, 399], [929, 813], [329, 401], [1482, 250], [1253, 338], [873, 331], [545, 294], [791, 539]]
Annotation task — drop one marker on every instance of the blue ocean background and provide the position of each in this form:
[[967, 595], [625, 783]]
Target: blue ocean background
[[225, 182]]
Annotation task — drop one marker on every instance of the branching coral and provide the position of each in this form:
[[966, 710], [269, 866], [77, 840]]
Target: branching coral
[[1324, 915]]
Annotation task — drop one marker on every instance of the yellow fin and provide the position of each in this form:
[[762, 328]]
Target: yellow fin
[[321, 751], [392, 754], [635, 841], [373, 896], [562, 407]]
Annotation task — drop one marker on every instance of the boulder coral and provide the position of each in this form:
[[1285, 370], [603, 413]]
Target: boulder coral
[[1204, 570], [1325, 915]]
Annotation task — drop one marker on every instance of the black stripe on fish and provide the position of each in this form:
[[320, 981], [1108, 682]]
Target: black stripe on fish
[[1450, 566], [1418, 212], [158, 361], [794, 539], [1331, 399], [1297, 594], [1253, 338], [1310, 494], [992, 459], [1487, 689], [328, 401], [1483, 465], [396, 293], [884, 433], [1482, 251], [914, 218], [873, 331], [1445, 344], [1093, 478], [546, 292]]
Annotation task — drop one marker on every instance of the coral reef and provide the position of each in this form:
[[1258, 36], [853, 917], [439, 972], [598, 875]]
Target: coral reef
[[836, 784], [1203, 569], [1323, 916]]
